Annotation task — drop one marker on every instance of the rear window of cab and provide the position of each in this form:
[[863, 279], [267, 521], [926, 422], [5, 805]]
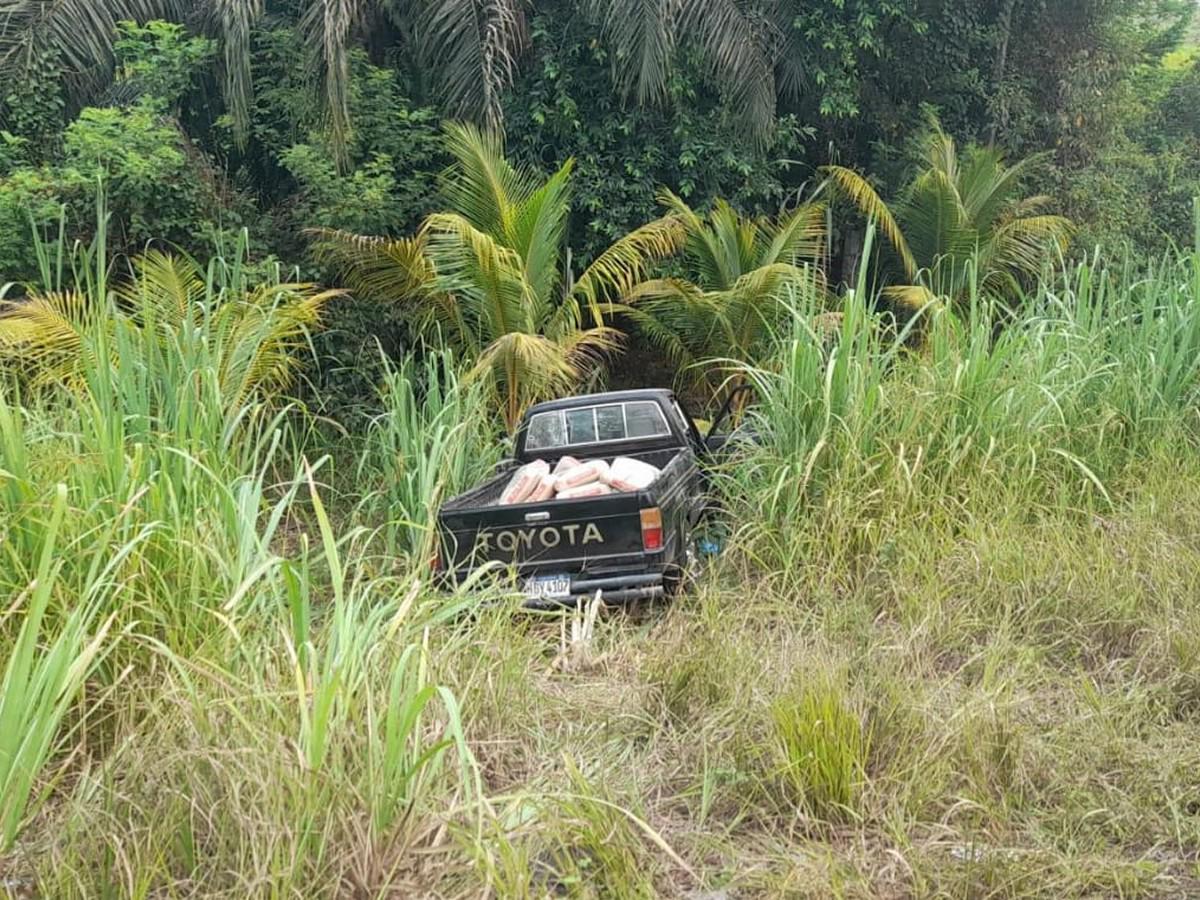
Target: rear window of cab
[[564, 428]]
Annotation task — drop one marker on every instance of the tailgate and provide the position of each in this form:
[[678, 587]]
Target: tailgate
[[538, 535]]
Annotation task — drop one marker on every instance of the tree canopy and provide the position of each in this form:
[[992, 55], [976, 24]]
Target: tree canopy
[[201, 120]]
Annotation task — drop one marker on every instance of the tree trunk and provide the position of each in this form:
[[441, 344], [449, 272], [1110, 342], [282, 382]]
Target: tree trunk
[[1000, 115]]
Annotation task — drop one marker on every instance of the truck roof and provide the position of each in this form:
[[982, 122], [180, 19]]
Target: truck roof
[[659, 394]]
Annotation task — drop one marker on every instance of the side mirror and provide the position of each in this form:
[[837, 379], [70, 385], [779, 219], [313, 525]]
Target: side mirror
[[725, 413], [714, 443]]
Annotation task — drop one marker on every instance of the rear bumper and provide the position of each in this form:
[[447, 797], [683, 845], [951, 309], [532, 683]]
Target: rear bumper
[[614, 590]]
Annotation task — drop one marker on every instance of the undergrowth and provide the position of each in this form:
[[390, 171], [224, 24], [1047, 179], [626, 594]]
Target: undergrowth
[[950, 647]]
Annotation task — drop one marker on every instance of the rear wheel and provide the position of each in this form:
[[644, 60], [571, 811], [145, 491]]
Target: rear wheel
[[682, 576]]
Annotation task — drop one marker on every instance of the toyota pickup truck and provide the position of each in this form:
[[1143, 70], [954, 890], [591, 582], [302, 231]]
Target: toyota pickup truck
[[628, 546]]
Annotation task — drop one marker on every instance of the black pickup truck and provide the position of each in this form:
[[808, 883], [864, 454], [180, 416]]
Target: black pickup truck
[[629, 546]]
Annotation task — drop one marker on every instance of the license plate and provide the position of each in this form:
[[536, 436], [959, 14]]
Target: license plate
[[548, 587]]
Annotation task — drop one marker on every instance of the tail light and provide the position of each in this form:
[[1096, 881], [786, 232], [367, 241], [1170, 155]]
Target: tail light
[[652, 529]]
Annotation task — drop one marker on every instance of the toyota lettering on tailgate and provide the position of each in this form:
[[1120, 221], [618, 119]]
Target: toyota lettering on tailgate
[[546, 537]]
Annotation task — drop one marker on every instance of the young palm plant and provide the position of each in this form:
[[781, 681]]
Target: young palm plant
[[167, 315], [961, 221], [490, 277], [738, 271]]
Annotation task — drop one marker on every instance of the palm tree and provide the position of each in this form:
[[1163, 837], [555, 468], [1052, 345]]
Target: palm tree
[[247, 335], [473, 45], [470, 47], [738, 271], [490, 277], [80, 35], [962, 216]]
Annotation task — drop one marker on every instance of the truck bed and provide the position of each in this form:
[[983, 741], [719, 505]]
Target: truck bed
[[488, 493], [538, 536]]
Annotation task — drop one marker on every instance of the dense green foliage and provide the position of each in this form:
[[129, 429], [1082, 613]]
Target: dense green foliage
[[945, 642], [690, 140], [961, 223], [492, 278], [215, 124], [738, 273]]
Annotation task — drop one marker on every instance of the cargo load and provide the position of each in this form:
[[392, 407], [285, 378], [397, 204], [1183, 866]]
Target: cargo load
[[572, 479]]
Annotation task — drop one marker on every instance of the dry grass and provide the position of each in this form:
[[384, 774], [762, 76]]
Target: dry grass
[[1005, 710]]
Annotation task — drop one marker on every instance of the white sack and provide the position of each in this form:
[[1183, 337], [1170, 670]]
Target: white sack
[[591, 489], [626, 474], [584, 473], [524, 482], [565, 464]]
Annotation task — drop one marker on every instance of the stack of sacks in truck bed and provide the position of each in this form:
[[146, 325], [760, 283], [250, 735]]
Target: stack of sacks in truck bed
[[572, 479]]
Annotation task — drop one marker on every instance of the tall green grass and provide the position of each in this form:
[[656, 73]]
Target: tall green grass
[[1097, 367], [431, 441], [957, 611], [162, 524], [40, 682]]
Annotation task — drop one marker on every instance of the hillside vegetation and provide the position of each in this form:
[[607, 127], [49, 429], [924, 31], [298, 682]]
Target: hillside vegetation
[[280, 277], [949, 649]]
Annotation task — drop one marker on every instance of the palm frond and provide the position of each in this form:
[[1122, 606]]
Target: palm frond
[[798, 235], [79, 33], [912, 297], [327, 26], [524, 368], [989, 195], [1028, 206], [389, 270], [1022, 245], [49, 338], [941, 153], [731, 240], [166, 286], [674, 315], [261, 334], [678, 207], [702, 245], [860, 192], [791, 54], [739, 269], [539, 229], [168, 317], [936, 225], [736, 39], [753, 305], [659, 333], [482, 185], [768, 281], [472, 264], [235, 20], [586, 349], [616, 271], [558, 320], [964, 222], [641, 35], [475, 46]]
